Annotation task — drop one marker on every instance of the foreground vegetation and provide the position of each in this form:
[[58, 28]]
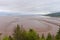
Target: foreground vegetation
[[20, 33]]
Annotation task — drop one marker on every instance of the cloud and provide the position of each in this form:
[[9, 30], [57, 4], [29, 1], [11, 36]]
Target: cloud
[[30, 6]]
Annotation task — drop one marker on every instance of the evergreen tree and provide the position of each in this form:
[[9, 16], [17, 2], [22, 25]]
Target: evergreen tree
[[17, 33], [38, 37], [53, 37], [24, 35], [32, 35], [58, 35], [20, 33], [5, 38], [10, 38], [42, 38], [0, 35], [49, 37]]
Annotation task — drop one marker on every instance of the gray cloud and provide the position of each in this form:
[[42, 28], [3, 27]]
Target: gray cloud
[[30, 6]]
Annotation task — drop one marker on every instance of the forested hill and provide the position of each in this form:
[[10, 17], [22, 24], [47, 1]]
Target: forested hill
[[57, 14]]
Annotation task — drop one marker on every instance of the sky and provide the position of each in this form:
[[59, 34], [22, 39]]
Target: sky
[[30, 6]]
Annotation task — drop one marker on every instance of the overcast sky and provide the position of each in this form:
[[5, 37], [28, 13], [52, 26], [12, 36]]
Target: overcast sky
[[30, 6]]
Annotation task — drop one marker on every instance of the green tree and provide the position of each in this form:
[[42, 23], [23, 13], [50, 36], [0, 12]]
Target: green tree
[[42, 38], [17, 33], [5, 38], [0, 35], [32, 35], [20, 33], [58, 35], [53, 37], [49, 37], [38, 37], [24, 35], [10, 38]]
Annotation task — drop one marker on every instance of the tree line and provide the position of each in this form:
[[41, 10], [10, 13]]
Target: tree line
[[20, 33]]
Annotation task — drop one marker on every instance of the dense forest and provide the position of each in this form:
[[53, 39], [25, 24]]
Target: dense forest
[[20, 33], [56, 14]]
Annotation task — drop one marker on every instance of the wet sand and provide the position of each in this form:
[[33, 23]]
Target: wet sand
[[41, 24]]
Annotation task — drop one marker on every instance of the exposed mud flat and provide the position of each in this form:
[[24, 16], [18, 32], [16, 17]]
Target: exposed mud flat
[[40, 24]]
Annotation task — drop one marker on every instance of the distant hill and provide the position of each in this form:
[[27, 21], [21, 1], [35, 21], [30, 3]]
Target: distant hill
[[57, 14]]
